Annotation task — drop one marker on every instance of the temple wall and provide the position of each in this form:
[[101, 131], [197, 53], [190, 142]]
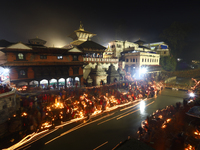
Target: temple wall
[[87, 69]]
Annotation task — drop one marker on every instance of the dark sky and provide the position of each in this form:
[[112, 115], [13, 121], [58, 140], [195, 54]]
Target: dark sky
[[53, 21]]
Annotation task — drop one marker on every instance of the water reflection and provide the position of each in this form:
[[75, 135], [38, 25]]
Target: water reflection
[[142, 106]]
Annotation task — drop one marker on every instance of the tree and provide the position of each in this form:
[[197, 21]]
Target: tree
[[175, 37], [168, 63]]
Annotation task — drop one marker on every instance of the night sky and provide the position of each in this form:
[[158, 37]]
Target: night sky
[[53, 21]]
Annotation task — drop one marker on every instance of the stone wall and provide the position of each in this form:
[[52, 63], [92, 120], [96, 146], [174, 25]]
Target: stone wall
[[8, 105]]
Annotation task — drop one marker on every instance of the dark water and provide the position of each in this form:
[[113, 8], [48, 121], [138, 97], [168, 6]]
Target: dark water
[[183, 81]]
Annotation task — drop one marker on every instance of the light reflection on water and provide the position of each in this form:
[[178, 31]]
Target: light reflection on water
[[142, 106]]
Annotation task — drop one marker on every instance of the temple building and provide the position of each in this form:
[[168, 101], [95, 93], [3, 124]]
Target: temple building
[[93, 54], [135, 56], [37, 65]]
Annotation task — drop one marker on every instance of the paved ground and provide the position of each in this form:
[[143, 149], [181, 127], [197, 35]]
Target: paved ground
[[107, 130]]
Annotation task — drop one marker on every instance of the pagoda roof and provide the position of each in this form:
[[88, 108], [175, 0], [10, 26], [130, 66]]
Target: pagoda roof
[[37, 41], [81, 34], [46, 50], [139, 41], [77, 42], [91, 45]]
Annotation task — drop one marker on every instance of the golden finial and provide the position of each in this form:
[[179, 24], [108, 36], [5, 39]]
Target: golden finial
[[81, 26]]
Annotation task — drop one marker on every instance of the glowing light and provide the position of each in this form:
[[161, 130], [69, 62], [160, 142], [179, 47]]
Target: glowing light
[[164, 126], [168, 120], [192, 95], [143, 70], [6, 70], [24, 114], [142, 106], [197, 132]]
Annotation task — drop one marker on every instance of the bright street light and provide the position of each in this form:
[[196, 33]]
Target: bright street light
[[192, 95], [6, 70], [143, 70]]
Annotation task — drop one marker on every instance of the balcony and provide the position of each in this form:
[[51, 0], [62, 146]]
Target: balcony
[[101, 60]]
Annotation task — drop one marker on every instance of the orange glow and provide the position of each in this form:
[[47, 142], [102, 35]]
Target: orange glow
[[164, 126], [197, 132], [168, 120]]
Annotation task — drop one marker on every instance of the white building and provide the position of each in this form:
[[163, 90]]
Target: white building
[[135, 61], [123, 46]]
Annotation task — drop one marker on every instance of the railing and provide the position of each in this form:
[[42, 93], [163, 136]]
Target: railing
[[111, 60]]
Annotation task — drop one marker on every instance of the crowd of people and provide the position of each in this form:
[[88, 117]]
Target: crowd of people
[[5, 88], [67, 104], [171, 127]]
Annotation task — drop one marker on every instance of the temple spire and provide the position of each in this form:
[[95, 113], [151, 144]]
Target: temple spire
[[81, 26]]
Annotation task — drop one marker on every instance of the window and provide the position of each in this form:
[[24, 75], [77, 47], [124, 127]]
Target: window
[[22, 74], [112, 46], [136, 60], [145, 60], [43, 56], [150, 60], [164, 52], [20, 56], [75, 71], [133, 59], [75, 58], [60, 57], [126, 60], [142, 59], [130, 60]]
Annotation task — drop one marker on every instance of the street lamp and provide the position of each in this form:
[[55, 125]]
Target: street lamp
[[6, 70]]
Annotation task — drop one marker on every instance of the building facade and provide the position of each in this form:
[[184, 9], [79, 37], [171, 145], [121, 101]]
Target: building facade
[[35, 64], [94, 57]]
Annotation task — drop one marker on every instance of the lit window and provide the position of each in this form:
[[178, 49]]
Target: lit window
[[20, 56], [60, 57]]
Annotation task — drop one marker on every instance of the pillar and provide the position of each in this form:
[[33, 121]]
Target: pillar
[[65, 84], [57, 84]]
